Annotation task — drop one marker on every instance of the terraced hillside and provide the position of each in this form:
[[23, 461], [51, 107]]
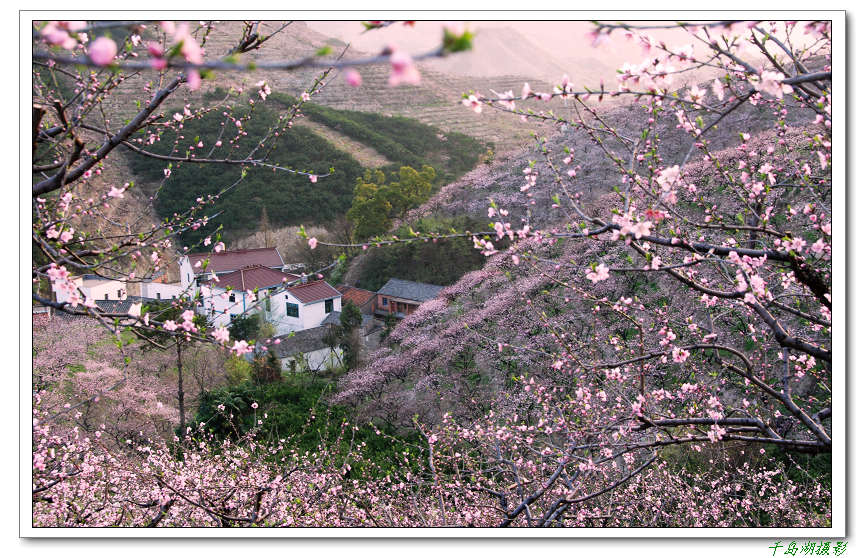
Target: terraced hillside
[[436, 101]]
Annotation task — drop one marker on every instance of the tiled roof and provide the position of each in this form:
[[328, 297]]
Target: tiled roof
[[409, 290], [122, 306], [252, 277], [313, 291], [357, 296], [232, 260], [304, 341], [334, 317]]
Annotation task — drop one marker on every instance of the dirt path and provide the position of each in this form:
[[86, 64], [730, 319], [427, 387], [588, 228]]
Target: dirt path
[[365, 155]]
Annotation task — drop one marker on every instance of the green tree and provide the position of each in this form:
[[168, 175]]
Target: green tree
[[346, 335], [412, 189], [237, 370], [246, 327], [370, 209], [350, 319], [350, 316], [376, 203]]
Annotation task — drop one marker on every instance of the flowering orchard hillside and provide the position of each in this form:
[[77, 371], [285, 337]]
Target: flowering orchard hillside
[[648, 344]]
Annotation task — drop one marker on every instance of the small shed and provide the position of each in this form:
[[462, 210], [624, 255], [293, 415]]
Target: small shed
[[307, 349]]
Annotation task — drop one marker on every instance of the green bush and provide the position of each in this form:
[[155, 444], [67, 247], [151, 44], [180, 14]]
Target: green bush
[[297, 411]]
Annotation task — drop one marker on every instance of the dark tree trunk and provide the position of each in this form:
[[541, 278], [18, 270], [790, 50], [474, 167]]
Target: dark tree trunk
[[180, 387]]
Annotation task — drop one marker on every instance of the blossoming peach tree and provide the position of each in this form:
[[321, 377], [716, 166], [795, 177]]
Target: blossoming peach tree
[[701, 284], [689, 404]]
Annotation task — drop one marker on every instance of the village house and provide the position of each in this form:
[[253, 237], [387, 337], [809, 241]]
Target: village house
[[289, 302], [193, 271], [307, 350], [101, 289], [361, 298], [401, 298], [304, 306], [95, 288], [159, 288], [249, 289]]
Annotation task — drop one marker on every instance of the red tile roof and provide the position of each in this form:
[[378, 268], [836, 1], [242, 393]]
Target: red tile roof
[[252, 277], [313, 291], [232, 260], [358, 297]]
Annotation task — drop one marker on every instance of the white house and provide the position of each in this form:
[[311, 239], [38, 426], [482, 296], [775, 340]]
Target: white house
[[270, 293], [160, 289], [249, 289], [96, 288], [303, 306], [194, 270], [307, 350]]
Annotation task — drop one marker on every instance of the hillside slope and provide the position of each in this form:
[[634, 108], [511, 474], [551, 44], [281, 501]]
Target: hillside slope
[[454, 351]]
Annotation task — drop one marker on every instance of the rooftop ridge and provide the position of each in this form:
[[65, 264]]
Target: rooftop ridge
[[413, 282], [238, 251]]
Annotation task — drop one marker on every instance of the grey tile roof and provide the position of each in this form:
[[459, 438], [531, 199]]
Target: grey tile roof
[[333, 319], [121, 306], [410, 290], [304, 341]]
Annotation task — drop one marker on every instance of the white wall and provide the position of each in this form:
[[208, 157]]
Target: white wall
[[316, 360], [97, 289], [309, 315], [218, 308], [187, 276], [165, 291]]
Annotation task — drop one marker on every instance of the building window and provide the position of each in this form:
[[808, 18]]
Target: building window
[[267, 304], [106, 296], [231, 297], [292, 310], [328, 306], [383, 301], [158, 296], [188, 278]]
